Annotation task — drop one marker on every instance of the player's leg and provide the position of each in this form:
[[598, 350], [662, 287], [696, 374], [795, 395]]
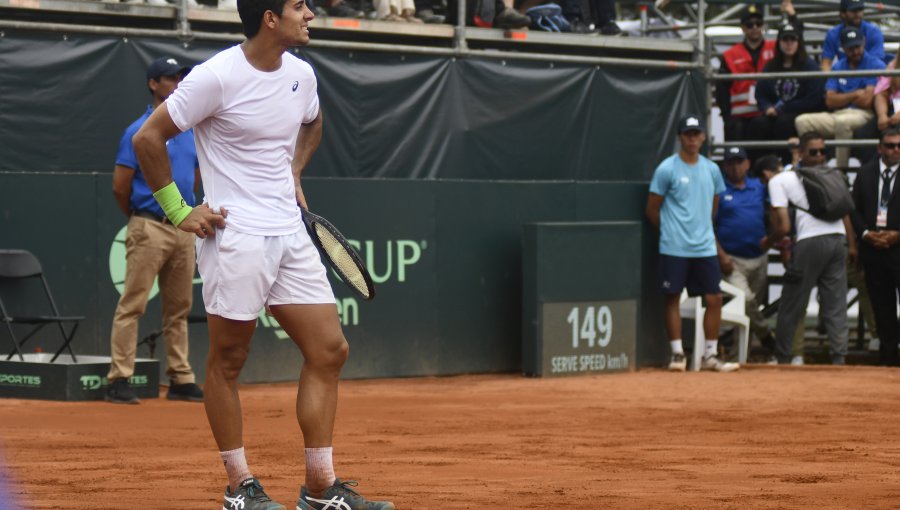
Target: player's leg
[[703, 279], [303, 303], [237, 271], [316, 330], [673, 271]]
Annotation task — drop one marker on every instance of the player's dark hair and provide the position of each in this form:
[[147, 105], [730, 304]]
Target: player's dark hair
[[808, 137], [251, 13]]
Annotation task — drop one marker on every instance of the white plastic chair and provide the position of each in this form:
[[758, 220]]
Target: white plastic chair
[[733, 312]]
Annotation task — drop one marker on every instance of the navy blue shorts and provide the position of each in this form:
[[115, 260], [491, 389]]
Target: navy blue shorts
[[701, 275]]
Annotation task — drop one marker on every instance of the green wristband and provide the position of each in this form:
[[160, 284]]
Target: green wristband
[[172, 203]]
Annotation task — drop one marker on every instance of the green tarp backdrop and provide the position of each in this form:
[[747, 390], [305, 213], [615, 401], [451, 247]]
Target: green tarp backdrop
[[65, 100]]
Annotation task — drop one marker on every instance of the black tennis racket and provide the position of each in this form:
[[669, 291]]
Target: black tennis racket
[[341, 256]]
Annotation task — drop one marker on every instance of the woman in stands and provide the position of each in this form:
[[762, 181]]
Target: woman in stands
[[783, 99], [887, 98]]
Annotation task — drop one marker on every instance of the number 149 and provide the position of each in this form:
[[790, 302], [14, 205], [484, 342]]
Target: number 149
[[596, 327]]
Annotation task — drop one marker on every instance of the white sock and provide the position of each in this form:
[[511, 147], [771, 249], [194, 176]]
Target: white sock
[[236, 467], [319, 466], [677, 348], [712, 348]]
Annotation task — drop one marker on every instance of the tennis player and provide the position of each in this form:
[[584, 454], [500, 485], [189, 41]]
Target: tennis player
[[256, 119]]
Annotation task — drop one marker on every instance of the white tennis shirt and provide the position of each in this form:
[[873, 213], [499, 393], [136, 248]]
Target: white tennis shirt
[[785, 189], [246, 123]]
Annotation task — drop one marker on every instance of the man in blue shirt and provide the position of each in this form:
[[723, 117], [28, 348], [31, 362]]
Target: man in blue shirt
[[849, 99], [851, 13], [154, 247], [740, 226], [682, 203]]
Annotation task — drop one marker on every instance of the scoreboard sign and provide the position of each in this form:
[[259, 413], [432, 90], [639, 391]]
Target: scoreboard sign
[[581, 285], [588, 337]]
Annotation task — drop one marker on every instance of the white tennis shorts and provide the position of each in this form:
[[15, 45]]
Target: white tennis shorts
[[242, 273]]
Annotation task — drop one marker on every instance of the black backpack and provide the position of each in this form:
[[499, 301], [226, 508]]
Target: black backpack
[[827, 193]]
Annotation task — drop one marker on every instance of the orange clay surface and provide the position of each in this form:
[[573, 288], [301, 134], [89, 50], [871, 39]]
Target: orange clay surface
[[764, 437]]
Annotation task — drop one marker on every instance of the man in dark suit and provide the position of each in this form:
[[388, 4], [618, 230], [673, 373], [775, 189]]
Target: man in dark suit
[[878, 220]]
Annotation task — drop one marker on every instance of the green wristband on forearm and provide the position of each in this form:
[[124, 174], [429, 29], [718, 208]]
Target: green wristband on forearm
[[172, 203]]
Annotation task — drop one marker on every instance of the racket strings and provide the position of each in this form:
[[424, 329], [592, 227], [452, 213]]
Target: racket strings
[[343, 261]]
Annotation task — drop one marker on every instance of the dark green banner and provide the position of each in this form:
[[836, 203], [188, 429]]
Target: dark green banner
[[66, 99], [446, 257]]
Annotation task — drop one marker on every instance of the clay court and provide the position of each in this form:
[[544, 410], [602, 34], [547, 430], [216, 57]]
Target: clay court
[[765, 437]]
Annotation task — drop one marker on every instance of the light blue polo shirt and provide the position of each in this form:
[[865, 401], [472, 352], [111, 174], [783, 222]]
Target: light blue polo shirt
[[182, 157], [686, 228]]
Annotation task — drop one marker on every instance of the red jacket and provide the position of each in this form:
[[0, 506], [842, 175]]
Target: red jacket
[[739, 61]]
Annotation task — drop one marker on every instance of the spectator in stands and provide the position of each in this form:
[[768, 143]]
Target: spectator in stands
[[818, 258], [396, 10], [682, 201], [782, 100], [811, 154], [342, 9], [887, 99], [849, 99], [736, 99], [851, 12], [488, 13], [154, 247], [740, 224], [603, 14], [878, 221], [425, 12]]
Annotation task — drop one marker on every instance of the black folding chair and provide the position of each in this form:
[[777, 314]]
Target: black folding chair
[[20, 265]]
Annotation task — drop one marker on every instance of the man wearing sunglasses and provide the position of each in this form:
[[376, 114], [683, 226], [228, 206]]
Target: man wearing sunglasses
[[851, 13], [737, 99], [818, 258], [877, 218], [812, 154]]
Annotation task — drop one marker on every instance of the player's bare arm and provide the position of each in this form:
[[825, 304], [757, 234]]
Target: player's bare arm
[[307, 143], [150, 148]]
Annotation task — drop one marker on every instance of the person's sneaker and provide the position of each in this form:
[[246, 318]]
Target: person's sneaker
[[187, 391], [678, 362], [511, 18], [715, 364], [340, 497], [874, 344], [797, 361], [119, 392], [342, 10], [249, 496], [772, 360], [838, 359]]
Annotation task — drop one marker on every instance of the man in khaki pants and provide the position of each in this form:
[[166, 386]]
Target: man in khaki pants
[[154, 247]]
